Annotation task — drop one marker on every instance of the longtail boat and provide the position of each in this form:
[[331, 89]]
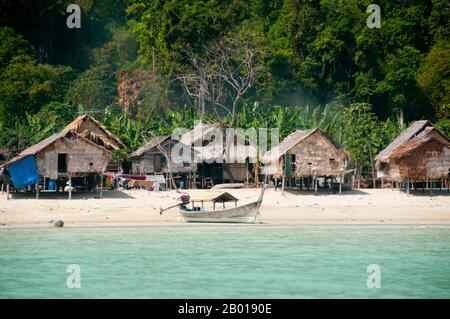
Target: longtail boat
[[245, 213]]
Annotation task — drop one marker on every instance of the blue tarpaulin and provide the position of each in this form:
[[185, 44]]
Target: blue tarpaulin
[[24, 172]]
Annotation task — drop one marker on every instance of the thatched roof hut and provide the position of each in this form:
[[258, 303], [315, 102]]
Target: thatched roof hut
[[63, 154], [150, 158], [420, 153], [304, 154], [81, 148], [216, 158]]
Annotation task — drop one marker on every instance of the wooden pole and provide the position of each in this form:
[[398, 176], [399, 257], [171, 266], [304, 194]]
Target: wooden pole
[[70, 187], [340, 184], [315, 184], [407, 186], [246, 172], [382, 183], [283, 181], [7, 191], [37, 190], [431, 187], [331, 183], [101, 185]]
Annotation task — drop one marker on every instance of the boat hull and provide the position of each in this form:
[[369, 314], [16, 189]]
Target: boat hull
[[242, 214]]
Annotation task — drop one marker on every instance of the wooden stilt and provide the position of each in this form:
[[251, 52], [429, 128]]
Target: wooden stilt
[[101, 185], [315, 184], [382, 183], [283, 182], [276, 183], [246, 173], [70, 187], [331, 183], [407, 186], [340, 184], [3, 188], [37, 190], [195, 180], [7, 191], [431, 188]]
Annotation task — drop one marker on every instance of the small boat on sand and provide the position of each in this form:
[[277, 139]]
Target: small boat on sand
[[245, 213]]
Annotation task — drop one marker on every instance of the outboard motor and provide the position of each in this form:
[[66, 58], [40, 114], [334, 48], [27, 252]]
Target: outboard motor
[[185, 199]]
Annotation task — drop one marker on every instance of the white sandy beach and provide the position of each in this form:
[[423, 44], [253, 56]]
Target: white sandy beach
[[140, 207]]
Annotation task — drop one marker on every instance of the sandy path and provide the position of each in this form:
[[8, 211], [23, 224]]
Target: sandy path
[[140, 207]]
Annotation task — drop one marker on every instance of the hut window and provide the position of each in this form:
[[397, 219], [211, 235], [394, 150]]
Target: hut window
[[62, 162], [332, 160]]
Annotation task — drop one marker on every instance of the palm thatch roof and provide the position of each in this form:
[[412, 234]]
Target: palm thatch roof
[[273, 155], [429, 133], [154, 142], [104, 137], [202, 133], [197, 134], [214, 196], [39, 147], [290, 141], [413, 130]]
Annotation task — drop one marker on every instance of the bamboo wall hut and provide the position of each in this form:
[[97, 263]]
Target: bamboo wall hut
[[155, 157], [81, 149], [220, 165], [63, 155], [421, 153], [305, 154]]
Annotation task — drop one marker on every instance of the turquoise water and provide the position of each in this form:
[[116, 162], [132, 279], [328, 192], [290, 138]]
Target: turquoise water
[[229, 261]]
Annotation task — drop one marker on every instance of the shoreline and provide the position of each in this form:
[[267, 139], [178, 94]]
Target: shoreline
[[139, 208]]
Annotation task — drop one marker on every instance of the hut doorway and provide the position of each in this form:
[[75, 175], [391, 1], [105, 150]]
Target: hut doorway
[[159, 163], [62, 163]]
